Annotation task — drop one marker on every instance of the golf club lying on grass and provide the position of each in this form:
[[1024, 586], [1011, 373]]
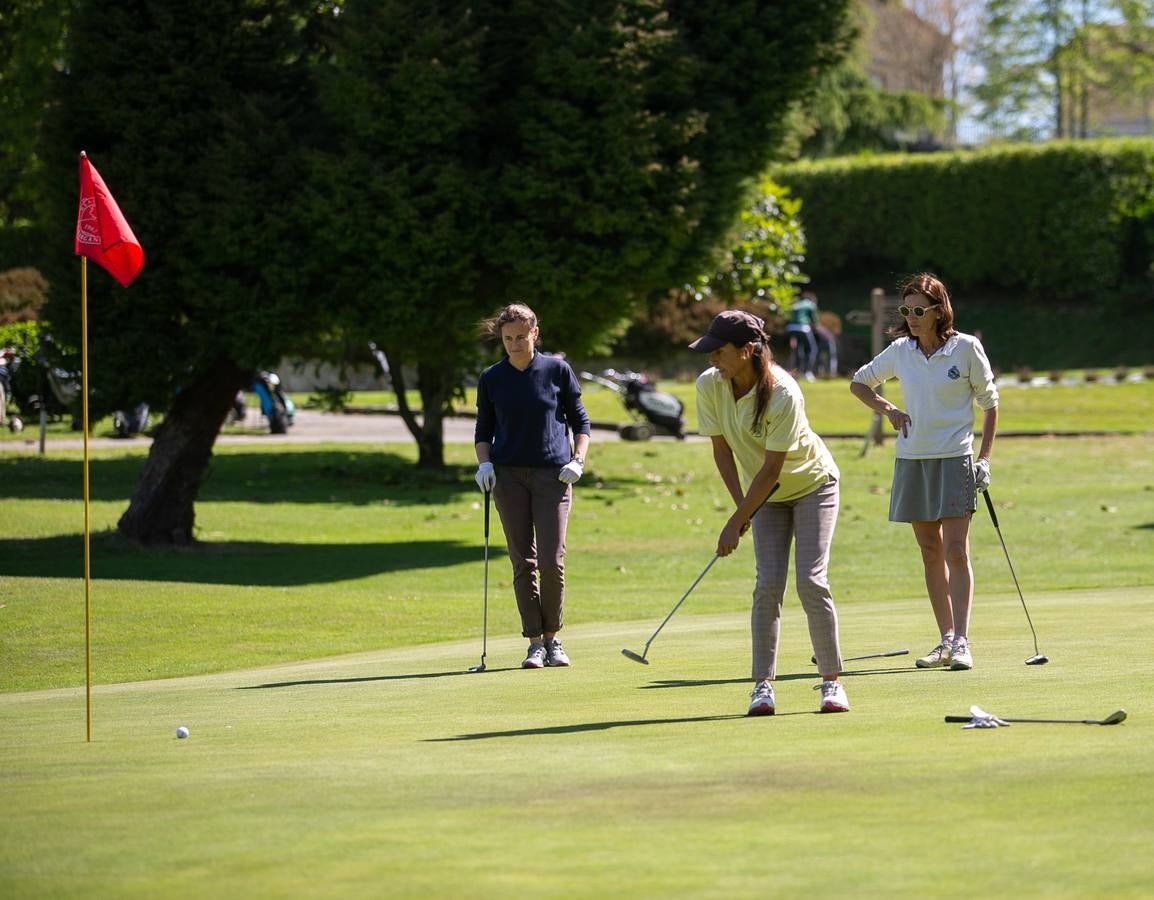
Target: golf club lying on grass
[[1039, 658], [640, 657], [480, 667], [979, 718], [903, 652]]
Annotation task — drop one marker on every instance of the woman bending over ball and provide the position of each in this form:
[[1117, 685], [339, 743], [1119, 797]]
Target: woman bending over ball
[[754, 412]]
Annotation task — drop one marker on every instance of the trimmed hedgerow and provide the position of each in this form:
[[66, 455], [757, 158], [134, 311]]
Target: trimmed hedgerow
[[1063, 219]]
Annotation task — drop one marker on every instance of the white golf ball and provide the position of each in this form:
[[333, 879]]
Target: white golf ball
[[182, 732]]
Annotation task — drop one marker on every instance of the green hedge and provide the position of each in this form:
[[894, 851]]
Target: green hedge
[[1061, 219]]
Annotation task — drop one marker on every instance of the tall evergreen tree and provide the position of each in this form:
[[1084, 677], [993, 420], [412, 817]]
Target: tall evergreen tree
[[194, 113], [577, 157]]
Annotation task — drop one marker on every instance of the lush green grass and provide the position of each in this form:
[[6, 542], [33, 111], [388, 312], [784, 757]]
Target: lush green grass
[[315, 552], [1059, 409], [385, 769], [832, 410], [396, 774]]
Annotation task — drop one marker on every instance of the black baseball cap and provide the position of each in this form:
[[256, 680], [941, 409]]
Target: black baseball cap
[[730, 327]]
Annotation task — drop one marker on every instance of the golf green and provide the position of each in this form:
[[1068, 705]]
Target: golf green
[[397, 773]]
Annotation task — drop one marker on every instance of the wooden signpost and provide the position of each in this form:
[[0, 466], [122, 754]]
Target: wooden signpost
[[881, 316]]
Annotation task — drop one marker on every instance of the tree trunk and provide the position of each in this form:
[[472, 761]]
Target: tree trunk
[[162, 509], [434, 382]]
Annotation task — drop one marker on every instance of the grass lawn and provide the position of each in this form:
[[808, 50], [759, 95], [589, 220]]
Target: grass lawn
[[316, 643], [395, 774], [832, 410]]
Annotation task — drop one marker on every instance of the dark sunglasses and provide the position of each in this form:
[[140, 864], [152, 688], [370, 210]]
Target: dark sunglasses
[[917, 311]]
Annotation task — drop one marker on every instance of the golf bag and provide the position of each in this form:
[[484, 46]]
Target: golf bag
[[134, 421], [43, 383], [653, 412], [9, 360], [275, 404]]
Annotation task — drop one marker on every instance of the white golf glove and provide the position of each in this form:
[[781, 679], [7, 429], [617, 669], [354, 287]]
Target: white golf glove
[[571, 471], [983, 719], [982, 474], [486, 477]]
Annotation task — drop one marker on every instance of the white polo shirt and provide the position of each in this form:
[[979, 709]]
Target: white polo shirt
[[939, 393], [784, 428]]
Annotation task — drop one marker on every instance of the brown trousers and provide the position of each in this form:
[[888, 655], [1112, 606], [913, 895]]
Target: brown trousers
[[534, 509]]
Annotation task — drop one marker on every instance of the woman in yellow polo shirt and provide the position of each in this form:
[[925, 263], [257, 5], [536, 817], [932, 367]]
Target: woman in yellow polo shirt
[[754, 412]]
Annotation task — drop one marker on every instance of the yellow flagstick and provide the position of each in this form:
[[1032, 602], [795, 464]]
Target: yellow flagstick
[[87, 555]]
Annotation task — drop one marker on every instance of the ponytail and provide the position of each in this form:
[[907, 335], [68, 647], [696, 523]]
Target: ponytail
[[762, 361]]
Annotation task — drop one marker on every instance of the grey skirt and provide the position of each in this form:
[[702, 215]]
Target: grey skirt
[[925, 490]]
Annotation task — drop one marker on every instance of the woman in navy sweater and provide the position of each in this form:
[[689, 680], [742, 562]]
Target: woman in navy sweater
[[526, 406]]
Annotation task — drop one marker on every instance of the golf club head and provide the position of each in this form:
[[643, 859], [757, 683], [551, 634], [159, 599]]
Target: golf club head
[[1040, 660], [477, 668], [629, 654], [1119, 715]]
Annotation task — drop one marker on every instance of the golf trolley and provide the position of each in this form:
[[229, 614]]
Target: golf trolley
[[653, 412]]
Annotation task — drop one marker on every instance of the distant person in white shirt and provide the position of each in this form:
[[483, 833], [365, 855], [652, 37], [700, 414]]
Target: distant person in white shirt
[[942, 373]]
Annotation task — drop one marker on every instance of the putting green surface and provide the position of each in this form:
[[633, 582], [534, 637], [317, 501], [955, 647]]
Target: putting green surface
[[397, 773]]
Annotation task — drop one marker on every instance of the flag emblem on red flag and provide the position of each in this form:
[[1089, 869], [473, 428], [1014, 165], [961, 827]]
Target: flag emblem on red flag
[[102, 232]]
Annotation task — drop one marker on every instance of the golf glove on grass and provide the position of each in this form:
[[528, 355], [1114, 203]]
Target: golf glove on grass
[[982, 474], [486, 477], [571, 471]]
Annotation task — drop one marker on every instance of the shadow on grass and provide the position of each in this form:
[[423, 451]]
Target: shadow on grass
[[580, 727], [250, 563], [356, 478], [795, 676], [366, 678], [328, 476]]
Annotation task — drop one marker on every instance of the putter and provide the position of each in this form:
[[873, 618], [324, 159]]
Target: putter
[[1039, 658], [480, 667], [640, 657], [903, 652], [1118, 715]]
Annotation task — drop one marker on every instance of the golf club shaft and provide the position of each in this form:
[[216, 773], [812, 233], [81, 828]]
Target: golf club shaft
[[677, 605], [1013, 574], [485, 596], [902, 652], [679, 602]]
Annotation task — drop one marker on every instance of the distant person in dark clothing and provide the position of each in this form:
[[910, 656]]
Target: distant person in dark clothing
[[803, 342], [526, 406]]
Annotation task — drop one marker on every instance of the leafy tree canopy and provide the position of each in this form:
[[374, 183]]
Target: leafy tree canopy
[[578, 157]]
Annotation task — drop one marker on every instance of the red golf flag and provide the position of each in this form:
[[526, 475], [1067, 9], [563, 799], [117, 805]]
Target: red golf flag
[[102, 233]]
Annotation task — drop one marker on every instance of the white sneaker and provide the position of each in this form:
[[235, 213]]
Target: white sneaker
[[833, 698], [761, 700], [960, 658], [939, 656], [554, 654], [535, 658]]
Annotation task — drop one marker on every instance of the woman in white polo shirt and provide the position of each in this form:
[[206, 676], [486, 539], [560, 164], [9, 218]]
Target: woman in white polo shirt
[[943, 373], [754, 412]]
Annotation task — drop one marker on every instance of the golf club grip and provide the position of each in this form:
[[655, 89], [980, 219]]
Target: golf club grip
[[990, 507], [488, 495], [958, 718]]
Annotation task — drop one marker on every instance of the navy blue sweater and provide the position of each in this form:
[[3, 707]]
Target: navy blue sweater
[[526, 416]]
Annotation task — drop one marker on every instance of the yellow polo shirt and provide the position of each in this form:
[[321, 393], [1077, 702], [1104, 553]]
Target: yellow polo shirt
[[784, 428]]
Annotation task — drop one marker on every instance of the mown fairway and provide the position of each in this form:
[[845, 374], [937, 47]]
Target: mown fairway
[[316, 646]]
